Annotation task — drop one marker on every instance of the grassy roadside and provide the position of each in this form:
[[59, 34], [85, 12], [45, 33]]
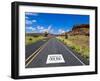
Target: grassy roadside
[[78, 43], [31, 39]]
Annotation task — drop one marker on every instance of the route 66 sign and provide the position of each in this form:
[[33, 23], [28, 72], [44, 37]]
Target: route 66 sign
[[55, 58]]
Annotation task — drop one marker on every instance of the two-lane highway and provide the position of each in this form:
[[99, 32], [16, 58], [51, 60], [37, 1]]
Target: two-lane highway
[[29, 49], [51, 47]]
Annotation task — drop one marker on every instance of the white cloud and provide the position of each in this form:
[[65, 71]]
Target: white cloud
[[52, 31], [26, 17], [43, 29], [61, 31], [30, 28], [29, 22], [48, 29], [40, 27], [32, 14], [33, 21], [67, 30]]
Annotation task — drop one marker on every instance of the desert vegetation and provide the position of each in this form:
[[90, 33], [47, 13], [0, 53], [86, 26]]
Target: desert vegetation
[[77, 39], [32, 39], [78, 43]]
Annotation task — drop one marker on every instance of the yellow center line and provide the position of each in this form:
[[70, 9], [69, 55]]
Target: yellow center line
[[32, 54], [42, 47]]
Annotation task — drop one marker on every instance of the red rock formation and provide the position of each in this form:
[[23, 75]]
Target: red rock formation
[[80, 30]]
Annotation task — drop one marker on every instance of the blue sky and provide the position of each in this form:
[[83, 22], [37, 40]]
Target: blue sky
[[52, 23]]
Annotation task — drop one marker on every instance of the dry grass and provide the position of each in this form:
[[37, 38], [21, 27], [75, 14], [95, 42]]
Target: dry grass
[[31, 39], [78, 43]]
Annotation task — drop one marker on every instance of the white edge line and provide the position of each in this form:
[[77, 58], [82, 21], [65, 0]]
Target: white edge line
[[73, 54]]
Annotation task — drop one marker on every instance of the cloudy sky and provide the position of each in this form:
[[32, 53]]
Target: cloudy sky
[[52, 23]]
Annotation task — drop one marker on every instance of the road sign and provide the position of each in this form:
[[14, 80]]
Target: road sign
[[55, 58]]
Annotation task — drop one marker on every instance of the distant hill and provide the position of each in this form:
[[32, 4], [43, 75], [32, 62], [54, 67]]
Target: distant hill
[[82, 29], [34, 34], [39, 34]]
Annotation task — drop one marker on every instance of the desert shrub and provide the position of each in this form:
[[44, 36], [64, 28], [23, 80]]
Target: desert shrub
[[78, 43]]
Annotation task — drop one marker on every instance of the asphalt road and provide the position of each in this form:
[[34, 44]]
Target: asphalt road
[[50, 47], [29, 49]]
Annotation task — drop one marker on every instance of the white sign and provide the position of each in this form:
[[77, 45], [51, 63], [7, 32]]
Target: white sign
[[55, 58]]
